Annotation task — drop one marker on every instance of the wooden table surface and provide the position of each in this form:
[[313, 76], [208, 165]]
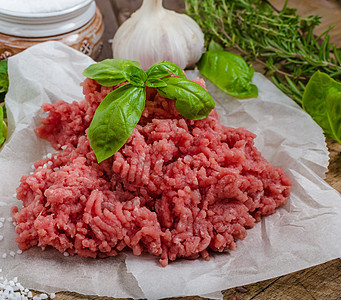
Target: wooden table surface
[[319, 282]]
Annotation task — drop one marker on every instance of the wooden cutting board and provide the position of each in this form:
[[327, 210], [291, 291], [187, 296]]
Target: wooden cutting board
[[319, 282]]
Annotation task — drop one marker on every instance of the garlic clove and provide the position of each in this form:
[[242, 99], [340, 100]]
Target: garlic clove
[[153, 34]]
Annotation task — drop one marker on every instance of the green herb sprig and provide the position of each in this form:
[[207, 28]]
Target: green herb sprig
[[281, 41], [322, 101], [3, 127], [228, 71], [3, 80], [4, 83], [120, 111]]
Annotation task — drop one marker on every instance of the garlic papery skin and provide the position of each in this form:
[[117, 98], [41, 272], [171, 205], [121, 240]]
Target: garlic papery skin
[[153, 34]]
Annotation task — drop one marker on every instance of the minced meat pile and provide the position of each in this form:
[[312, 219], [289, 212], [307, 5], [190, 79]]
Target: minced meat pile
[[177, 189]]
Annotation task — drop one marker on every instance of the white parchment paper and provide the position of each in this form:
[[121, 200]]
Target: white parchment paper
[[302, 233]]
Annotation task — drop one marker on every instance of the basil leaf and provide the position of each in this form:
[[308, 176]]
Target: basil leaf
[[154, 82], [135, 76], [192, 100], [317, 91], [333, 107], [163, 69], [115, 120], [3, 127], [3, 77], [109, 72], [229, 72], [215, 47]]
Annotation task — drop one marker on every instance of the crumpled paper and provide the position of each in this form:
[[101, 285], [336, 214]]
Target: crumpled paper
[[302, 233]]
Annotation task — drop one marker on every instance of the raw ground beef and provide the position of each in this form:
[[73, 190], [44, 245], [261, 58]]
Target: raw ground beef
[[178, 188]]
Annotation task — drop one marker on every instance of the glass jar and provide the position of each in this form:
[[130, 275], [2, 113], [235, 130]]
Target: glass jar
[[79, 26]]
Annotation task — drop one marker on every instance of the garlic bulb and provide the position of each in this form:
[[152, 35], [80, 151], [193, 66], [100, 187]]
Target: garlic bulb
[[153, 34]]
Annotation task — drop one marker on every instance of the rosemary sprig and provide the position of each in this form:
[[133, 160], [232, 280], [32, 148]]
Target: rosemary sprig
[[281, 41]]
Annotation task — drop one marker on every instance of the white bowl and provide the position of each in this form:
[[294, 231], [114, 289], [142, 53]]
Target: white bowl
[[27, 24]]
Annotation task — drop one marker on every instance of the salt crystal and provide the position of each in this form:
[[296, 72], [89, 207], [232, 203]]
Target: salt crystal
[[33, 167], [52, 295], [63, 147], [29, 295], [9, 219], [50, 163], [66, 254], [1, 237], [4, 255], [49, 155], [43, 296], [12, 253], [2, 219], [19, 251]]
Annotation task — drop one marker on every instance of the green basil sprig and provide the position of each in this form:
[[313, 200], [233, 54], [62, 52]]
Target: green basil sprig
[[322, 101], [3, 127], [228, 71], [3, 80], [120, 111]]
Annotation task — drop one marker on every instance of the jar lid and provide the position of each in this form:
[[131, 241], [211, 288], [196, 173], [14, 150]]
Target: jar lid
[[48, 21]]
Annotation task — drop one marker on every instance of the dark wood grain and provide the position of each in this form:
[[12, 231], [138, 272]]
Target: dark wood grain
[[322, 282], [110, 27]]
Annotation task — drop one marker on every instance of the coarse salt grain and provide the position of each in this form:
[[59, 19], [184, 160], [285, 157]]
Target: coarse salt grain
[[9, 219], [66, 254], [2, 220], [52, 295], [4, 255], [49, 155], [12, 253], [19, 251], [63, 147], [1, 237]]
